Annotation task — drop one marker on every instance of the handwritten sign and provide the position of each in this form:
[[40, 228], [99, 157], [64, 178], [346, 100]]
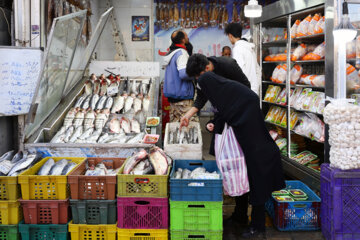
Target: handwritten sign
[[19, 72], [129, 69]]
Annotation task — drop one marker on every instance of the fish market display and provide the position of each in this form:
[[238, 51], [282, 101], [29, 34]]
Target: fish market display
[[90, 119], [12, 164], [100, 169], [61, 167], [141, 163], [184, 136], [197, 173]]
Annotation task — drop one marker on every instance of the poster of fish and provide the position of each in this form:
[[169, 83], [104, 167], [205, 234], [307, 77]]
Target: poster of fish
[[140, 28]]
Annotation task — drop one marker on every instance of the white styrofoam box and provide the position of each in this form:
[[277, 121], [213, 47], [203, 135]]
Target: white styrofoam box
[[183, 151]]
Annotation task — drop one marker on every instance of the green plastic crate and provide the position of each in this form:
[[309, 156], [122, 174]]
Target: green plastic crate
[[196, 216], [93, 211], [43, 231], [9, 232], [196, 235]]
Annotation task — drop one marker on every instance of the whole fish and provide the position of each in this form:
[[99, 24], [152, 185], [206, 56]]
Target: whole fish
[[8, 155], [187, 17], [89, 119], [182, 15], [142, 168], [119, 138], [119, 102], [171, 138], [103, 87], [135, 126], [143, 89], [162, 18], [158, 160], [157, 11], [205, 15], [176, 15], [128, 86], [78, 132], [137, 104], [220, 16], [135, 87], [99, 170], [96, 86], [79, 118], [166, 16], [192, 14], [58, 167], [171, 16], [69, 118], [23, 164], [86, 103], [17, 157], [109, 103], [86, 134], [67, 169], [133, 160], [101, 103], [59, 136], [129, 103], [94, 136], [80, 101], [146, 104], [200, 15], [196, 136], [100, 120], [93, 101], [88, 87], [114, 125], [125, 125], [45, 169], [103, 138], [69, 133], [225, 17], [235, 16], [121, 87], [138, 138]]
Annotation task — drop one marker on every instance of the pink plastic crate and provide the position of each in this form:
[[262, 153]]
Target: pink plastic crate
[[143, 213]]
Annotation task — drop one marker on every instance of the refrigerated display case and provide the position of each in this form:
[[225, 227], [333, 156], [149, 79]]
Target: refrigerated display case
[[61, 84], [293, 64]]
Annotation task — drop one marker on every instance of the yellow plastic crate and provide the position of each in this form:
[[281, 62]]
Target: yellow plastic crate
[[92, 232], [34, 187], [142, 234], [9, 189], [10, 212]]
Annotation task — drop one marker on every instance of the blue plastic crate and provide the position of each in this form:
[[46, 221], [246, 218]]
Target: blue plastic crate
[[207, 190], [340, 206], [296, 216]]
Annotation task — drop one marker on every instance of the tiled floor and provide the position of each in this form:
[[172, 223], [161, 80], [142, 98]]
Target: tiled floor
[[234, 232]]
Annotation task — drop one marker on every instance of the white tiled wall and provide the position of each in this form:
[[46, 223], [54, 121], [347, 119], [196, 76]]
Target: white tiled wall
[[124, 9]]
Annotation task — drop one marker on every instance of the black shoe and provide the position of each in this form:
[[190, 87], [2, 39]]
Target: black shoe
[[233, 220], [253, 233]]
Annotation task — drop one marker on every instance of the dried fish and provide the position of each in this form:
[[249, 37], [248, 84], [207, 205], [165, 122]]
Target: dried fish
[[182, 14]]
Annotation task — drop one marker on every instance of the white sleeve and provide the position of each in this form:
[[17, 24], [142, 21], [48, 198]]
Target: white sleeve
[[182, 60], [238, 56]]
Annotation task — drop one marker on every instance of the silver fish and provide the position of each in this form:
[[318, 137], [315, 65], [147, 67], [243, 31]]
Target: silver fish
[[138, 137], [133, 160], [94, 136], [185, 174], [196, 136], [135, 87], [88, 87], [178, 173], [171, 138], [96, 87], [109, 103], [137, 104], [143, 89], [59, 136], [79, 118], [121, 87], [142, 168], [8, 155], [146, 103], [80, 101], [17, 157], [45, 169], [118, 104], [70, 166], [93, 101], [69, 133], [158, 160], [23, 164], [125, 125], [119, 138], [78, 132], [86, 103], [69, 118], [103, 88], [101, 103], [103, 138], [89, 119], [128, 86], [86, 134], [99, 170], [135, 126], [58, 167], [129, 102]]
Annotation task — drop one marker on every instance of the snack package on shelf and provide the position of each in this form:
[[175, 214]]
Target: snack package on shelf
[[295, 74], [318, 103], [352, 77], [282, 97], [295, 95], [280, 116], [314, 21], [272, 93], [294, 28], [270, 115], [299, 52], [351, 49], [319, 27], [274, 134], [281, 143], [307, 100], [300, 100], [311, 126], [303, 28], [283, 122], [318, 80], [317, 54], [294, 117], [277, 112], [268, 92]]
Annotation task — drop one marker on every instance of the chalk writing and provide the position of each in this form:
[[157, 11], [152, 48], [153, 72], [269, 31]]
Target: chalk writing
[[19, 73]]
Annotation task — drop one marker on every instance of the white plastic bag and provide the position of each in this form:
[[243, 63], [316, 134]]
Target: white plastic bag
[[295, 74], [299, 52], [313, 24], [294, 27], [303, 27]]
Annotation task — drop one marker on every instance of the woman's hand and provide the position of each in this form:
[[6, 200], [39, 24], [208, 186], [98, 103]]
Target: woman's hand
[[184, 121], [210, 127]]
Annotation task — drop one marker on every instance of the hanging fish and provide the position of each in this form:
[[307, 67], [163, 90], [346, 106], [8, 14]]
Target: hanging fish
[[220, 16], [138, 103], [211, 11], [196, 16], [166, 16], [192, 8], [96, 86], [225, 17], [171, 15], [157, 13], [162, 20], [176, 14], [235, 16], [205, 15], [182, 15], [187, 16], [129, 102], [146, 103]]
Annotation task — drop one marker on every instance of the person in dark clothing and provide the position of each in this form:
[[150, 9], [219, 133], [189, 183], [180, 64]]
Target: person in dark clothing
[[239, 107], [226, 51]]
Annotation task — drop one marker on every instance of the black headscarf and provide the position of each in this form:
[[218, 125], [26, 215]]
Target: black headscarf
[[239, 107]]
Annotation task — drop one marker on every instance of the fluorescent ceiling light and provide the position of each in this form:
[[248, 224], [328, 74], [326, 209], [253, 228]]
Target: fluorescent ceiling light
[[345, 31], [253, 9]]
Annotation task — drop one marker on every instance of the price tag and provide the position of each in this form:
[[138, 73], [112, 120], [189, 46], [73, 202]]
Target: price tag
[[6, 166], [112, 90]]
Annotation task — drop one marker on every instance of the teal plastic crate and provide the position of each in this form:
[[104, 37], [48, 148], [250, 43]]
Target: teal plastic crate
[[196, 216], [43, 231], [9, 232]]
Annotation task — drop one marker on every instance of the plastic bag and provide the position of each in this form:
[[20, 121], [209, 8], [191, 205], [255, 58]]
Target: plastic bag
[[295, 74], [280, 57], [318, 102], [317, 54], [300, 100], [281, 76], [352, 77], [268, 93], [311, 126], [280, 116], [302, 78], [295, 95], [351, 49], [318, 80], [307, 79], [299, 52], [319, 27], [270, 115], [303, 27], [269, 58], [274, 135], [274, 76], [294, 27], [313, 23]]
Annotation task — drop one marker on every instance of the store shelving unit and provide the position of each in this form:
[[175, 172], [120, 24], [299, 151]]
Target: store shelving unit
[[283, 14]]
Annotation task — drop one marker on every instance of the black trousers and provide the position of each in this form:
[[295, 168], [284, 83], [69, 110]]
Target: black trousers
[[257, 213]]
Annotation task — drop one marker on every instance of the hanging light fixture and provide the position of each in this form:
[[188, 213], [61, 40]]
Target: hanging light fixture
[[253, 9], [345, 31]]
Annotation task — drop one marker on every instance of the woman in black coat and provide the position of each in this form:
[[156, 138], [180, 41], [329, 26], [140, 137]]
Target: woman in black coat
[[239, 107]]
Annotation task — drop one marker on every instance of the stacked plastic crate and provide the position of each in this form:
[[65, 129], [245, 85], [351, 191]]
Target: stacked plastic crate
[[196, 204], [45, 203], [93, 201], [10, 210], [143, 206]]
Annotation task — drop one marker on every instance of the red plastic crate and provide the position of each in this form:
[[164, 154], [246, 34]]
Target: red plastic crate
[[45, 211], [143, 213]]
